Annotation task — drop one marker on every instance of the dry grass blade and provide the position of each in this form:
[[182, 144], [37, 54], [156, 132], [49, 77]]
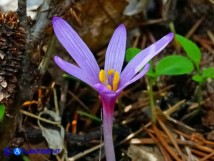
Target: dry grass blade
[[207, 157], [199, 147], [163, 151], [82, 154], [211, 35], [79, 101], [134, 134], [40, 118], [194, 28], [171, 138], [174, 108], [165, 144]]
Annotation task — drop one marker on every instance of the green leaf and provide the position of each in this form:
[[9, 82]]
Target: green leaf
[[69, 77], [191, 49], [208, 73], [131, 53], [2, 112], [174, 65], [25, 158], [198, 78], [150, 73], [95, 118]]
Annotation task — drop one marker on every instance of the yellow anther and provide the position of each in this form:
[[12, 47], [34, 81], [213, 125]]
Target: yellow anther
[[116, 80], [104, 79], [102, 76], [110, 71], [109, 87]]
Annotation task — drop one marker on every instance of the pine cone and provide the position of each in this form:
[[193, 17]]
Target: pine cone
[[12, 47]]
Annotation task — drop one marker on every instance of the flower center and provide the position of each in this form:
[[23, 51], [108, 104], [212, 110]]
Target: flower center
[[110, 79]]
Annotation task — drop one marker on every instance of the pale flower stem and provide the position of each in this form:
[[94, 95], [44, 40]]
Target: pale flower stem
[[107, 133]]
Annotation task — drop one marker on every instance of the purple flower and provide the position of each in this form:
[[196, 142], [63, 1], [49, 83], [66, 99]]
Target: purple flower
[[110, 81]]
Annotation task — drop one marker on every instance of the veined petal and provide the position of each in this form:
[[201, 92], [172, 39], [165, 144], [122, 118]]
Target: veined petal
[[103, 91], [135, 78], [144, 57], [75, 46], [116, 50], [75, 71]]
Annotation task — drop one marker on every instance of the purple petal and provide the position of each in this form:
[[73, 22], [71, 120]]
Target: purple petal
[[103, 91], [116, 49], [76, 71], [144, 57], [75, 46], [135, 78]]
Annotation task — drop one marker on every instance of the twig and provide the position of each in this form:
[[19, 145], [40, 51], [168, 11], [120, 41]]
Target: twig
[[55, 101], [194, 28], [211, 35], [134, 134], [80, 155], [39, 118]]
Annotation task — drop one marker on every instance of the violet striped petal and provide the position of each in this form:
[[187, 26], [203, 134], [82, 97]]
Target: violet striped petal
[[75, 71], [144, 57], [75, 46], [103, 91], [116, 49], [135, 78]]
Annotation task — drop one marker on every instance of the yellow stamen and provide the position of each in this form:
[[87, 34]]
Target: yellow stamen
[[110, 71], [109, 87], [102, 76], [116, 80]]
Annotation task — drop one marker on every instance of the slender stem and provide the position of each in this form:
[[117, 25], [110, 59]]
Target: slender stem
[[107, 133], [151, 99], [199, 88], [172, 29], [199, 94]]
